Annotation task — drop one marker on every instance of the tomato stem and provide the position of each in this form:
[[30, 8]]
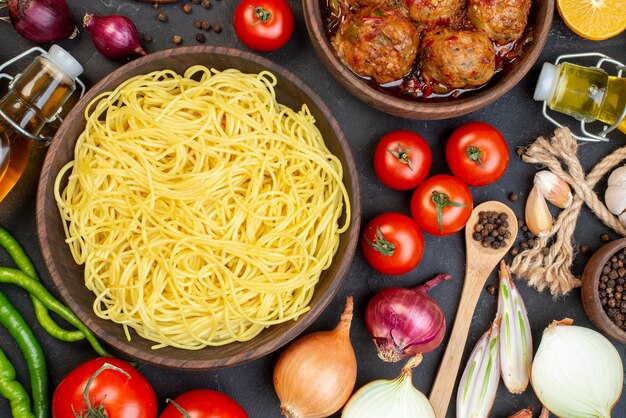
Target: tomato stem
[[180, 408], [442, 200], [474, 154], [98, 411], [380, 244], [262, 14], [402, 155]]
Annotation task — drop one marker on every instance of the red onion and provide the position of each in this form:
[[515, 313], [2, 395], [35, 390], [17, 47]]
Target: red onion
[[405, 322], [113, 36], [42, 20]]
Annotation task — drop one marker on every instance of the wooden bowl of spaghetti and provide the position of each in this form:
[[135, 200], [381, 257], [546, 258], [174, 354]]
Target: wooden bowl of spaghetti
[[198, 208]]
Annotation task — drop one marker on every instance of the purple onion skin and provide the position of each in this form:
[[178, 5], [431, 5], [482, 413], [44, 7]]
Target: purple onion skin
[[42, 20], [405, 322], [113, 36]]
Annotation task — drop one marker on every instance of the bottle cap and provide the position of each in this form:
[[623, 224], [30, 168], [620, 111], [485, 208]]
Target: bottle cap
[[64, 60], [546, 83]]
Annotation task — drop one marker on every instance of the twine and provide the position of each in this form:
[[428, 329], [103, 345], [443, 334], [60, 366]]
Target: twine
[[553, 268]]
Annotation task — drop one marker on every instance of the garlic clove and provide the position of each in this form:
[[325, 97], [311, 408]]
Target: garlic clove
[[618, 177], [538, 217], [615, 199], [554, 189]]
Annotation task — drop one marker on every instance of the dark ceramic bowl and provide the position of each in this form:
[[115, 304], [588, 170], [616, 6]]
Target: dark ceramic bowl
[[539, 21], [68, 276], [590, 288]]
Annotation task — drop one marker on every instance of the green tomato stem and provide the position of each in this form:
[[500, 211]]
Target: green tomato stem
[[442, 200], [381, 245], [402, 155], [262, 14], [474, 154]]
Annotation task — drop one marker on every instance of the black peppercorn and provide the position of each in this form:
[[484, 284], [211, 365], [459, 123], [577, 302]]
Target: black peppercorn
[[584, 249], [147, 37], [491, 289], [187, 8], [162, 17], [198, 24], [177, 39], [200, 38], [513, 197], [605, 237], [514, 251], [155, 5], [206, 4], [217, 28]]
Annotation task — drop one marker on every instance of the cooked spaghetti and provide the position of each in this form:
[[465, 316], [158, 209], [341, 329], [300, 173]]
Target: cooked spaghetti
[[202, 209]]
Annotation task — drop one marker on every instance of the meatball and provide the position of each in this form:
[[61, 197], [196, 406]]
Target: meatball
[[457, 58], [377, 42], [428, 13], [502, 20]]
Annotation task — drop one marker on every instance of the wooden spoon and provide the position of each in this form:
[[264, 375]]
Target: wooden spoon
[[480, 262]]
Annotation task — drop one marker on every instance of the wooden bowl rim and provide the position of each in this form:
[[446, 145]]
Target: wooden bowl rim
[[589, 292], [426, 110], [155, 356]]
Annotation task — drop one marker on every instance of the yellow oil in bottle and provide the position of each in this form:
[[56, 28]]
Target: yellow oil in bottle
[[589, 94], [34, 99]]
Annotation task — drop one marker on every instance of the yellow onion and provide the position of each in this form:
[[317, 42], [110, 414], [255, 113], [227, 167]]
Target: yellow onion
[[314, 377], [576, 372]]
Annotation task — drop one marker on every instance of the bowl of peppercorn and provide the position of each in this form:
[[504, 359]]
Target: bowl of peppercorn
[[603, 295]]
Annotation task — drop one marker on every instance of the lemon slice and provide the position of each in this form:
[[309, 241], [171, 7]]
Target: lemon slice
[[594, 19]]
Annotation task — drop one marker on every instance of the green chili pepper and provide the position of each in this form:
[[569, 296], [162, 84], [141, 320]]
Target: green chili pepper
[[32, 286], [13, 390], [19, 330], [19, 257]]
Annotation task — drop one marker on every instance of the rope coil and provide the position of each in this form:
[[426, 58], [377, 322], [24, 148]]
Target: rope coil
[[553, 269]]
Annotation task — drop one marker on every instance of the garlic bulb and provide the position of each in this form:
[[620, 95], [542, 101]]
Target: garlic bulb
[[615, 195], [396, 398], [577, 372]]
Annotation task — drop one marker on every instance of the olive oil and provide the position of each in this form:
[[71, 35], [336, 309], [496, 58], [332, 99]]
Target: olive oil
[[34, 99], [586, 93]]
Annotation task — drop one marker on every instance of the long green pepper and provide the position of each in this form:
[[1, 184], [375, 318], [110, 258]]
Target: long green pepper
[[19, 330], [21, 260], [32, 286], [13, 390]]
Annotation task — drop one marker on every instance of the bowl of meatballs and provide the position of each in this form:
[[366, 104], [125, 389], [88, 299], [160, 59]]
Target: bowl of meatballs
[[428, 59]]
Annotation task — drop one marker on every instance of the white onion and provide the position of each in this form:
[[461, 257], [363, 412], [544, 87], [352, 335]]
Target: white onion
[[396, 398], [577, 372]]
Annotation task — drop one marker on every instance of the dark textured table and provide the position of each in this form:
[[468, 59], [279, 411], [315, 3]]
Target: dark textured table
[[516, 115]]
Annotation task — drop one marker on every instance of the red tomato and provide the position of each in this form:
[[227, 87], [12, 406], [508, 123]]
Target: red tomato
[[121, 396], [477, 153], [204, 403], [402, 160], [441, 205], [264, 25], [392, 243]]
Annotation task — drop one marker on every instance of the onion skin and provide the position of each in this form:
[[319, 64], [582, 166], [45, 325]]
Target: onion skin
[[524, 413], [405, 322], [42, 20], [314, 377], [114, 36]]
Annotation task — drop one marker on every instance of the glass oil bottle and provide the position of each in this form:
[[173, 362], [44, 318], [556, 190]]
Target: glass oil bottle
[[34, 99], [586, 93]]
